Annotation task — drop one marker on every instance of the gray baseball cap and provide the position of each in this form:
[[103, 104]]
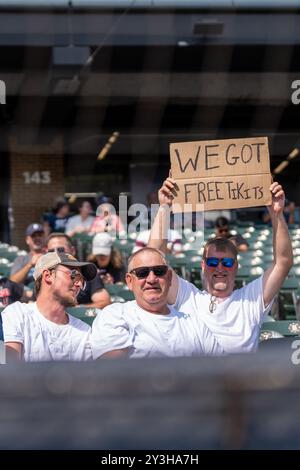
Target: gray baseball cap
[[33, 228], [52, 259]]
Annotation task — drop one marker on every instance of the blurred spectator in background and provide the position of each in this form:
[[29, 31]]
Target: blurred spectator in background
[[82, 222], [9, 291], [103, 199], [23, 266], [211, 216], [94, 294], [56, 220], [174, 244], [289, 213], [107, 220], [222, 230], [107, 259]]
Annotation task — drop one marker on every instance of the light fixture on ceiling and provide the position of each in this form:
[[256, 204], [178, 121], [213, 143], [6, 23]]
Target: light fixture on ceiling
[[281, 167], [293, 154], [104, 151], [182, 43], [71, 54], [72, 197]]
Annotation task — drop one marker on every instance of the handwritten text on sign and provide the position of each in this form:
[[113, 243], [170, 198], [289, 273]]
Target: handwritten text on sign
[[221, 174]]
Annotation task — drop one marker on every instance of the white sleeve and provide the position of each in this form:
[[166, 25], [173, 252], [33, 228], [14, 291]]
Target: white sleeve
[[253, 293], [184, 293], [110, 331], [13, 323], [70, 225], [87, 352]]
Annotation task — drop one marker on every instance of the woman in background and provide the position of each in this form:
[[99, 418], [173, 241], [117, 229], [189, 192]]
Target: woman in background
[[107, 259]]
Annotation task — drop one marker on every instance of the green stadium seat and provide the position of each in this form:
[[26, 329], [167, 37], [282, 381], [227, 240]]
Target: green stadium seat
[[83, 313], [4, 270], [283, 327], [119, 291]]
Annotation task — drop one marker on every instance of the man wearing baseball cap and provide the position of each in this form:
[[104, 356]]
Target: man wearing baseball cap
[[43, 330], [23, 267], [94, 295]]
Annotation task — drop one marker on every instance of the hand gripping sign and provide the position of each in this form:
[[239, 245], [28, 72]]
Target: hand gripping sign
[[221, 174]]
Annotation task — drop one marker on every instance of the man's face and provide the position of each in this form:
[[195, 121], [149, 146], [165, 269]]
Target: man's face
[[36, 241], [60, 242], [219, 281], [66, 285], [150, 292], [85, 209], [222, 231]]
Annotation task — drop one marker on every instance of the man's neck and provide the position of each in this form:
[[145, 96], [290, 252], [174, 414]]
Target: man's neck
[[158, 309], [52, 310], [220, 296]]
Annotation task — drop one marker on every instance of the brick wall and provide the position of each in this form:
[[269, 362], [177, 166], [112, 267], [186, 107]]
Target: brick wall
[[37, 179]]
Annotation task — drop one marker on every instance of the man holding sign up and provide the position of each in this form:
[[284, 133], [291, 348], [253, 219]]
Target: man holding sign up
[[233, 316]]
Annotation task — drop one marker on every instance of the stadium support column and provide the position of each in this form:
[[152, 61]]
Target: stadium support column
[[37, 179]]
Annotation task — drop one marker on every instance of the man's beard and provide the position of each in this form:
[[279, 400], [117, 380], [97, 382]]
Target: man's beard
[[65, 301], [219, 285]]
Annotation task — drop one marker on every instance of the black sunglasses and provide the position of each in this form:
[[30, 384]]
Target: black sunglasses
[[214, 262], [59, 249], [144, 271]]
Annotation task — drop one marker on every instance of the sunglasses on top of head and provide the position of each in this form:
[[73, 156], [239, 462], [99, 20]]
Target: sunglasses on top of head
[[144, 271], [213, 262]]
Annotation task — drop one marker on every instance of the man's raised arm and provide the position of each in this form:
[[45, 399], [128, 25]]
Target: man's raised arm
[[159, 231], [282, 247]]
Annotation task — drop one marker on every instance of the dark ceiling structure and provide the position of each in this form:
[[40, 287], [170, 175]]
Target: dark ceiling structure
[[155, 72]]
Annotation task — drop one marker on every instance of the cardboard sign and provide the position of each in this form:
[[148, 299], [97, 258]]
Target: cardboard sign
[[221, 174]]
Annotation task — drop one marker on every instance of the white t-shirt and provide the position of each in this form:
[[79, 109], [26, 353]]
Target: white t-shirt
[[76, 221], [235, 323], [42, 339], [126, 325]]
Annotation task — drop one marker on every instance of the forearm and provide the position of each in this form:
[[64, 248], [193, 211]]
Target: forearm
[[282, 247], [115, 354], [20, 276], [99, 299], [97, 304], [159, 231], [13, 352]]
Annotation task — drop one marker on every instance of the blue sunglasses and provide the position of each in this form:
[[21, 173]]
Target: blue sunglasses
[[214, 262]]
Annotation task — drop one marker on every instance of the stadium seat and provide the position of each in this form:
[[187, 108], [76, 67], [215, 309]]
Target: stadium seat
[[4, 270], [83, 313], [119, 290], [283, 327]]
